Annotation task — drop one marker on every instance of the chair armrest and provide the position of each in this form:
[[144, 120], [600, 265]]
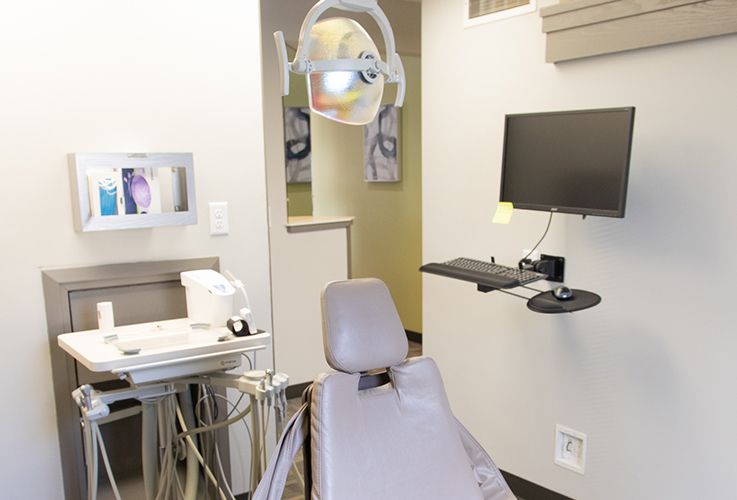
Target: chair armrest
[[272, 484], [492, 483]]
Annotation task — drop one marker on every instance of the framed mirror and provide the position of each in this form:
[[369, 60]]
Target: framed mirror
[[132, 190]]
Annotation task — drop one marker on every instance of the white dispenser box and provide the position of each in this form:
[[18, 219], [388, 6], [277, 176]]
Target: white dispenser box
[[209, 297]]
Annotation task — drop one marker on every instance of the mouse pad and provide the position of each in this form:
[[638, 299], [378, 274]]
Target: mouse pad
[[547, 303]]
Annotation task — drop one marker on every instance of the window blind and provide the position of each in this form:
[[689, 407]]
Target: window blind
[[478, 8]]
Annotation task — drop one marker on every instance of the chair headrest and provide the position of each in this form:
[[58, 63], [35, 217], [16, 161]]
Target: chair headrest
[[361, 327]]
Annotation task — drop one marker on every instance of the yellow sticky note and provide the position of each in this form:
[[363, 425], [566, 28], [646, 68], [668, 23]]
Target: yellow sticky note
[[503, 212]]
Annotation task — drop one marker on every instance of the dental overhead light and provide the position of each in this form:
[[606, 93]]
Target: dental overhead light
[[345, 73]]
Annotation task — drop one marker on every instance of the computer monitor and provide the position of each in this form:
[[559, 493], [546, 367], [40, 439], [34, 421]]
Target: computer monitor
[[573, 162]]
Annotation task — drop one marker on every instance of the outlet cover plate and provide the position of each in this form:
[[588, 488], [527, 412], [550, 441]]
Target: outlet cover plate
[[570, 449], [219, 224]]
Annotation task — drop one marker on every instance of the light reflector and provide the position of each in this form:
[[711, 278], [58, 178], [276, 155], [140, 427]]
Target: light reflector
[[346, 74], [343, 96]]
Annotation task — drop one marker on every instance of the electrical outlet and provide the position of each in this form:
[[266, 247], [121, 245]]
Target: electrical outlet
[[570, 449], [219, 218]]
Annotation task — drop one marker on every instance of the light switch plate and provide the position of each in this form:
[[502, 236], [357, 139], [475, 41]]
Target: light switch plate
[[570, 449], [219, 224]]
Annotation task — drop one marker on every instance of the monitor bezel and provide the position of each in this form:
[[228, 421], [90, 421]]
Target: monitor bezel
[[619, 212]]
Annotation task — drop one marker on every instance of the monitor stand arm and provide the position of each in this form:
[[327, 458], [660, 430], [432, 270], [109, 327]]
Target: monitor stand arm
[[551, 265]]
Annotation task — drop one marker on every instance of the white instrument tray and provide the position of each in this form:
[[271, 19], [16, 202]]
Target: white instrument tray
[[178, 344]]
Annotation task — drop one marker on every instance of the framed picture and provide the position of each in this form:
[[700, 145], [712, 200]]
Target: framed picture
[[141, 193], [132, 190], [298, 145], [104, 191], [381, 146]]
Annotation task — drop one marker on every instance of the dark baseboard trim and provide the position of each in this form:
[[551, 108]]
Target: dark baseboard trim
[[531, 491], [414, 336], [520, 487], [296, 390]]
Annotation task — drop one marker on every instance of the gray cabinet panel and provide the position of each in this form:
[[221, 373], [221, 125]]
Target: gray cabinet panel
[[140, 292]]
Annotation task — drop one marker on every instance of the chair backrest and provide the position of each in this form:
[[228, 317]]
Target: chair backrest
[[361, 327], [395, 441]]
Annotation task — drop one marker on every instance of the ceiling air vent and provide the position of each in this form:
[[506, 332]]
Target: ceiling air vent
[[484, 11]]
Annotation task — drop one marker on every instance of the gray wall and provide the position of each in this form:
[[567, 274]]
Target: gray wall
[[649, 374]]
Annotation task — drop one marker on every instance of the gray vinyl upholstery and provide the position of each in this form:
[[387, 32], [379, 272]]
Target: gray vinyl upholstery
[[399, 441], [361, 327]]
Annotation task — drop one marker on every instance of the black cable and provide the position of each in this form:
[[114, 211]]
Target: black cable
[[550, 219]]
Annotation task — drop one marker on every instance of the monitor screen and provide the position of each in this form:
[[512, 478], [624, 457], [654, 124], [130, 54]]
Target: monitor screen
[[570, 161]]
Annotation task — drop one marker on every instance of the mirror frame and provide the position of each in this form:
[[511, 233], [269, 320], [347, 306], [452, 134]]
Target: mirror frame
[[84, 221]]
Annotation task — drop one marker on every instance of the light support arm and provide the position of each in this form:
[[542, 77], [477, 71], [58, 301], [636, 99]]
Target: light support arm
[[401, 83], [281, 52], [392, 69]]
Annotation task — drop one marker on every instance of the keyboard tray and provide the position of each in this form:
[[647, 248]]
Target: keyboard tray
[[480, 278]]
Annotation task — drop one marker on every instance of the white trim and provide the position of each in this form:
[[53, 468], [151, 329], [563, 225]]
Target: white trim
[[578, 466], [496, 16], [305, 223]]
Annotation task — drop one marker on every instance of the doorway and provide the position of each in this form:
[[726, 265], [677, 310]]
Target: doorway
[[327, 174]]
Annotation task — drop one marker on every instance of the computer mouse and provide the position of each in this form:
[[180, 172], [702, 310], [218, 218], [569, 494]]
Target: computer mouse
[[563, 293]]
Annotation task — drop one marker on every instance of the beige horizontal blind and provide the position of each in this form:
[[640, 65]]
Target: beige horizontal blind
[[478, 8]]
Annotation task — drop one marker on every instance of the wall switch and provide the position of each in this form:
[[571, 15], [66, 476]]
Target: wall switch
[[570, 449], [219, 218]]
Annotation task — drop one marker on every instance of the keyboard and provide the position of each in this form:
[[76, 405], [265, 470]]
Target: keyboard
[[483, 273]]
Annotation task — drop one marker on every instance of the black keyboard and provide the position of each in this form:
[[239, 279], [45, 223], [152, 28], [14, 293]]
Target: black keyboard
[[483, 273]]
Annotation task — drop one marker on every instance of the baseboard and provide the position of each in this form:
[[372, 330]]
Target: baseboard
[[531, 491], [520, 487], [414, 336]]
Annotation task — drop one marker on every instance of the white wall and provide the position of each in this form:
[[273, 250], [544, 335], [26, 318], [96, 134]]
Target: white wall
[[105, 76], [648, 374]]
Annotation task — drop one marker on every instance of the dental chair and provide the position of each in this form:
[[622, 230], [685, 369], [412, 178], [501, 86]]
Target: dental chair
[[380, 427]]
